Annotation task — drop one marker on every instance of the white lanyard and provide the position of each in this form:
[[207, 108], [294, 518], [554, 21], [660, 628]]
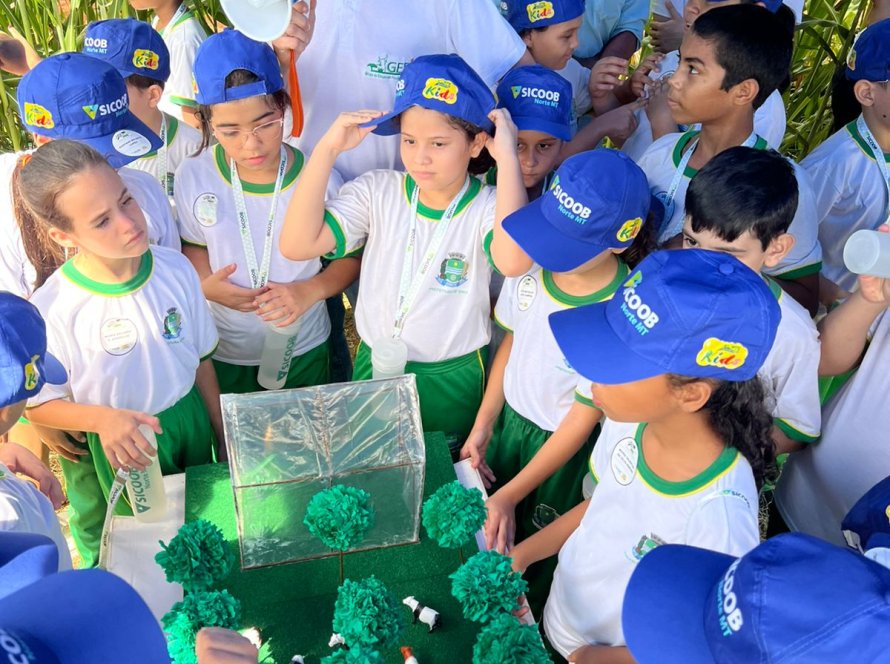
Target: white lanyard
[[878, 154], [668, 197], [164, 177], [180, 12], [259, 275], [409, 286]]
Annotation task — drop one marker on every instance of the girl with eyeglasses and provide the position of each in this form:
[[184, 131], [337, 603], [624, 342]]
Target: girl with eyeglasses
[[232, 197]]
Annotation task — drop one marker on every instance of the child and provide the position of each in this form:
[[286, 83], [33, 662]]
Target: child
[[742, 203], [794, 598], [24, 368], [579, 259], [732, 60], [851, 169], [685, 446], [139, 54], [128, 323], [183, 33], [435, 299], [229, 199], [75, 96], [820, 484]]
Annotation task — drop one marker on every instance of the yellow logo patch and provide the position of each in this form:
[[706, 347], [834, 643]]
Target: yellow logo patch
[[722, 354], [539, 11], [145, 59], [851, 59], [38, 116], [629, 230], [440, 89], [32, 375]]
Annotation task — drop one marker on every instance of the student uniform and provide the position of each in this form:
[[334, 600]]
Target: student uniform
[[631, 511], [17, 274], [769, 119], [183, 35], [579, 76], [183, 141], [820, 484], [448, 324], [850, 195], [137, 346], [660, 163], [205, 203]]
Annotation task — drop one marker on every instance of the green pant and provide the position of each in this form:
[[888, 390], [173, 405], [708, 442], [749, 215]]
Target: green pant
[[310, 368], [514, 443], [188, 440], [450, 391]]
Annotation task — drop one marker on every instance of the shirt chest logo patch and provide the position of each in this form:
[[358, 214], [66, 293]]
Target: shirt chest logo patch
[[385, 67], [172, 325], [118, 336], [624, 461], [644, 546], [453, 271], [526, 291], [204, 209]]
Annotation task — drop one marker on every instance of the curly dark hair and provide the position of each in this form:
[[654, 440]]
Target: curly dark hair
[[738, 414]]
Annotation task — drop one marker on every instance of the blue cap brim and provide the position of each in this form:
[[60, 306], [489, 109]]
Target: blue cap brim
[[555, 129], [587, 341], [547, 247], [117, 149], [24, 559], [53, 372], [664, 604], [385, 125]]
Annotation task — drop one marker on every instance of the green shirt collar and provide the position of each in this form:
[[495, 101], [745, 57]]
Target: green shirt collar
[[143, 274], [603, 294], [222, 165], [680, 147], [430, 213]]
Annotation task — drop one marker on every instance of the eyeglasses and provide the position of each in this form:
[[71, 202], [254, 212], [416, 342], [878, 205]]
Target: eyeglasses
[[261, 132]]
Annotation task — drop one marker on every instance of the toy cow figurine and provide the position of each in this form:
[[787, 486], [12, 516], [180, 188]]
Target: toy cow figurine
[[429, 617], [336, 640]]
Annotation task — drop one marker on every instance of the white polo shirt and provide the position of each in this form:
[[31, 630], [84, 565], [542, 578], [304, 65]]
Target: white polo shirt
[[182, 36], [182, 142]]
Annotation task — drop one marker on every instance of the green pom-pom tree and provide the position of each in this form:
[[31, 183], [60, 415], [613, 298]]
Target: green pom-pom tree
[[453, 514], [355, 655], [340, 516], [367, 614], [214, 608], [507, 641], [197, 557], [486, 586]]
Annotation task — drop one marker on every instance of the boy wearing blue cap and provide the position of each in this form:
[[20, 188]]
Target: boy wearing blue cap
[[140, 55], [851, 169], [733, 58], [439, 224], [183, 34], [822, 482], [742, 203], [25, 367], [685, 445], [794, 599]]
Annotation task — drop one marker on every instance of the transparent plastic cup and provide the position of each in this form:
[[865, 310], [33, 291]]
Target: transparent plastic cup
[[278, 350], [868, 252], [389, 358]]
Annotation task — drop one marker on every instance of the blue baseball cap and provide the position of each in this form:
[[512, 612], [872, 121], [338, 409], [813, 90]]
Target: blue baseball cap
[[690, 312], [76, 96], [223, 53], [538, 99], [443, 83], [24, 559], [130, 46], [80, 617], [24, 363], [869, 57], [598, 200], [794, 599], [867, 524], [527, 14]]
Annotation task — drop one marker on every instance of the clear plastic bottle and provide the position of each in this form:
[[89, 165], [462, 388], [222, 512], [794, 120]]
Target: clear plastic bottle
[[868, 252], [388, 358], [146, 487], [278, 349]]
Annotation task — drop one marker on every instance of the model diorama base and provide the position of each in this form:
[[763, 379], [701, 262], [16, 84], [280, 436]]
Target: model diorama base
[[293, 604]]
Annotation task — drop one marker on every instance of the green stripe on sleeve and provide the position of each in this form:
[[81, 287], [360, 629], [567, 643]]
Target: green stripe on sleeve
[[339, 236], [794, 434]]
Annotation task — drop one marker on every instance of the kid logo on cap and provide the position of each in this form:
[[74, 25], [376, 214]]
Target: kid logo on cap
[[145, 59], [32, 375], [539, 11], [440, 89], [629, 230], [38, 116], [722, 354], [851, 58]]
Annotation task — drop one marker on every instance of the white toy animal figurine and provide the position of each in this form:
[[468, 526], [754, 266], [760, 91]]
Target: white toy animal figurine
[[336, 640], [429, 617]]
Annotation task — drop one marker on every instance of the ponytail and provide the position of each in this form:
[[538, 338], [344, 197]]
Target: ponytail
[[644, 243]]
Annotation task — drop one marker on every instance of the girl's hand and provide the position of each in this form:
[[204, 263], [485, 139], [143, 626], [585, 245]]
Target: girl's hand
[[21, 460], [122, 441], [298, 34], [474, 449], [217, 288], [284, 303], [502, 146], [641, 78], [875, 289], [500, 526], [345, 133], [657, 109], [608, 73], [621, 122], [58, 441], [667, 35]]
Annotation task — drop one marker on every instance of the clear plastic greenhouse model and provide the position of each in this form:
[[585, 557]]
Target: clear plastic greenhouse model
[[286, 446]]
